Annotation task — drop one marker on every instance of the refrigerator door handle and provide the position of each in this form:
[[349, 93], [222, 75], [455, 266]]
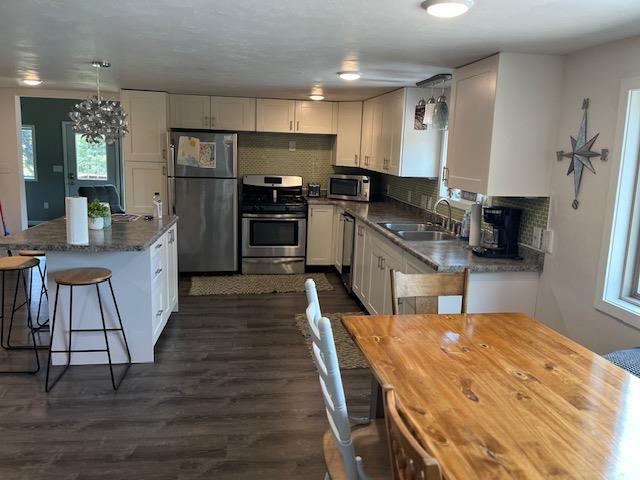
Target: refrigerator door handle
[[171, 193], [171, 149]]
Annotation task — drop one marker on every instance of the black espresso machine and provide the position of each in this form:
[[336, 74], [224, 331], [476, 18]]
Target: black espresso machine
[[505, 222]]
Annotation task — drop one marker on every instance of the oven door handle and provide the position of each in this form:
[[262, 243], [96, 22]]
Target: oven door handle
[[268, 216], [272, 260]]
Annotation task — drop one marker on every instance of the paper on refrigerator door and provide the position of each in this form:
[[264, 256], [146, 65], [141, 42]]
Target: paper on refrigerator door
[[188, 151], [207, 157]]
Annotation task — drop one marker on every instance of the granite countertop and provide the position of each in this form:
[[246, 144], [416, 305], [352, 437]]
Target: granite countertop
[[120, 237], [442, 256]]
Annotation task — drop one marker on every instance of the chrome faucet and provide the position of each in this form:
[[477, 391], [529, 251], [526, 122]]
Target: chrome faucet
[[435, 210]]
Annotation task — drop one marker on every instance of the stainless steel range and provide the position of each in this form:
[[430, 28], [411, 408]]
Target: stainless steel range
[[274, 224]]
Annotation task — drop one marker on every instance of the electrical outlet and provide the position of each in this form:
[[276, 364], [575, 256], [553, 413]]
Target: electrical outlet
[[536, 241], [423, 201], [45, 205], [409, 196], [292, 146], [386, 189], [547, 241], [430, 203]]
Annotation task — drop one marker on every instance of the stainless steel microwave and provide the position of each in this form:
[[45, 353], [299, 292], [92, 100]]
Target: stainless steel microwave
[[349, 187]]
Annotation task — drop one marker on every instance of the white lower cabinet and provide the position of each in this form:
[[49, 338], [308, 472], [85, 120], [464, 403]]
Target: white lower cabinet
[[164, 280], [375, 257], [320, 235]]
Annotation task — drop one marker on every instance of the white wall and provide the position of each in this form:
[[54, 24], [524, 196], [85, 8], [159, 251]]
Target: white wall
[[12, 192], [568, 283]]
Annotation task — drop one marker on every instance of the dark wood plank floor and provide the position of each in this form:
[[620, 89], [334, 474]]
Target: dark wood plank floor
[[233, 395]]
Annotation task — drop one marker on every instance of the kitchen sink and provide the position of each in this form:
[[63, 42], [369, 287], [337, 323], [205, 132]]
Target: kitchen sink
[[418, 231], [431, 235], [409, 227]]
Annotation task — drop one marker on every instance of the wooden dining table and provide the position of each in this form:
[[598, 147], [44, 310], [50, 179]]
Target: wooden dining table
[[501, 395]]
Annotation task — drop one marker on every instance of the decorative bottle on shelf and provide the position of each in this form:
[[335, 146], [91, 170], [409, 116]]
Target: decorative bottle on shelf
[[157, 203]]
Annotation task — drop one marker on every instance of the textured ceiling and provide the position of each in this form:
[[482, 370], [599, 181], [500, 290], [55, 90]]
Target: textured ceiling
[[281, 48]]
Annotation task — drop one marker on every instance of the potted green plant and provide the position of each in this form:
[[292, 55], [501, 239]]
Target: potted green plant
[[97, 211]]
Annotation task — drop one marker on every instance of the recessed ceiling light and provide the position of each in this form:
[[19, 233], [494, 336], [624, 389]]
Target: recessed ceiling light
[[447, 8], [350, 76], [31, 82], [316, 97]]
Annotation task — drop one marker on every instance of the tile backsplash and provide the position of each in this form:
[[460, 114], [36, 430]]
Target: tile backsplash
[[410, 190], [263, 153]]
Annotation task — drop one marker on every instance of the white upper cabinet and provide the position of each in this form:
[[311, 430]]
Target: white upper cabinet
[[274, 115], [233, 113], [189, 111], [316, 117], [347, 144], [391, 143], [147, 115], [501, 126]]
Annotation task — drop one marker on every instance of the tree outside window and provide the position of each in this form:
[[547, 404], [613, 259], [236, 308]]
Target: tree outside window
[[28, 152], [91, 159]]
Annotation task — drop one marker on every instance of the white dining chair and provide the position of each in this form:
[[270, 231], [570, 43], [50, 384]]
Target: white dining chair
[[343, 448]]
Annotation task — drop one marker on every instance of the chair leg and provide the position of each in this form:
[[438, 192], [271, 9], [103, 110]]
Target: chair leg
[[48, 387], [106, 341], [43, 291], [8, 346]]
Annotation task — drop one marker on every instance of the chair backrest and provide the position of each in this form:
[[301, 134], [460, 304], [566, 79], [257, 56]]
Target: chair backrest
[[326, 360], [426, 288], [103, 193], [410, 458]]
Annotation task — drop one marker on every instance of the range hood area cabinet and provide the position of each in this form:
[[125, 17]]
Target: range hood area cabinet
[[501, 129], [390, 142], [206, 112], [296, 116]]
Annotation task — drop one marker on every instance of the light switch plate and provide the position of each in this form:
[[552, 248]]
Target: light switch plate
[[292, 146], [536, 241], [45, 205], [57, 169]]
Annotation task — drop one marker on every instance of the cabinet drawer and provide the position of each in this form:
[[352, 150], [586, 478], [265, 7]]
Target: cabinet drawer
[[158, 295]]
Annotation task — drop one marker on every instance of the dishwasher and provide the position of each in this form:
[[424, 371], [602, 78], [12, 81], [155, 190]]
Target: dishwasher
[[348, 238]]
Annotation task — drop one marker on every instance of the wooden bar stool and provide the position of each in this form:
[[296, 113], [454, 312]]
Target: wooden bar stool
[[18, 265], [43, 286], [81, 277]]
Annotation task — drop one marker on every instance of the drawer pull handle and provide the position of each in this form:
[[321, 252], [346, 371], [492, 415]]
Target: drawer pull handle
[[160, 312], [159, 245], [158, 271]]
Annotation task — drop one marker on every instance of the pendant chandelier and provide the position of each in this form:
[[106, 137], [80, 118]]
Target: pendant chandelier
[[99, 120]]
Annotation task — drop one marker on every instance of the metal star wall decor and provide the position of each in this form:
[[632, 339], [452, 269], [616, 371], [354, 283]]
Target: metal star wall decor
[[581, 154]]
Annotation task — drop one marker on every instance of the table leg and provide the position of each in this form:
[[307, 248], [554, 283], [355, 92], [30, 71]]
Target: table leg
[[376, 407]]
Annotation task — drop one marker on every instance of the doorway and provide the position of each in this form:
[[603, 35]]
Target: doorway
[[87, 164]]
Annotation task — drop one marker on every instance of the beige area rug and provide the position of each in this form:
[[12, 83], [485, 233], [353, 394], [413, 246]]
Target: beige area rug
[[255, 284], [349, 355]]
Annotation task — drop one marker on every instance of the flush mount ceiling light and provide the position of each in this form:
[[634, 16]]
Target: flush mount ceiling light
[[97, 119], [349, 76], [31, 82], [447, 8], [316, 97]]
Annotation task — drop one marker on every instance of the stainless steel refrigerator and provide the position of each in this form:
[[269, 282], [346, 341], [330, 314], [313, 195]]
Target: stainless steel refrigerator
[[203, 192]]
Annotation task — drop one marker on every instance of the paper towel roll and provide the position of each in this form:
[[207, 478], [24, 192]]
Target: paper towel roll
[[77, 220], [474, 228]]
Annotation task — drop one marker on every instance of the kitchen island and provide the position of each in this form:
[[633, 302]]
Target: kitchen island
[[143, 258]]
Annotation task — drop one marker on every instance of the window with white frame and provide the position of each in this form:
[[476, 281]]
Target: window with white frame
[[28, 136], [619, 277]]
